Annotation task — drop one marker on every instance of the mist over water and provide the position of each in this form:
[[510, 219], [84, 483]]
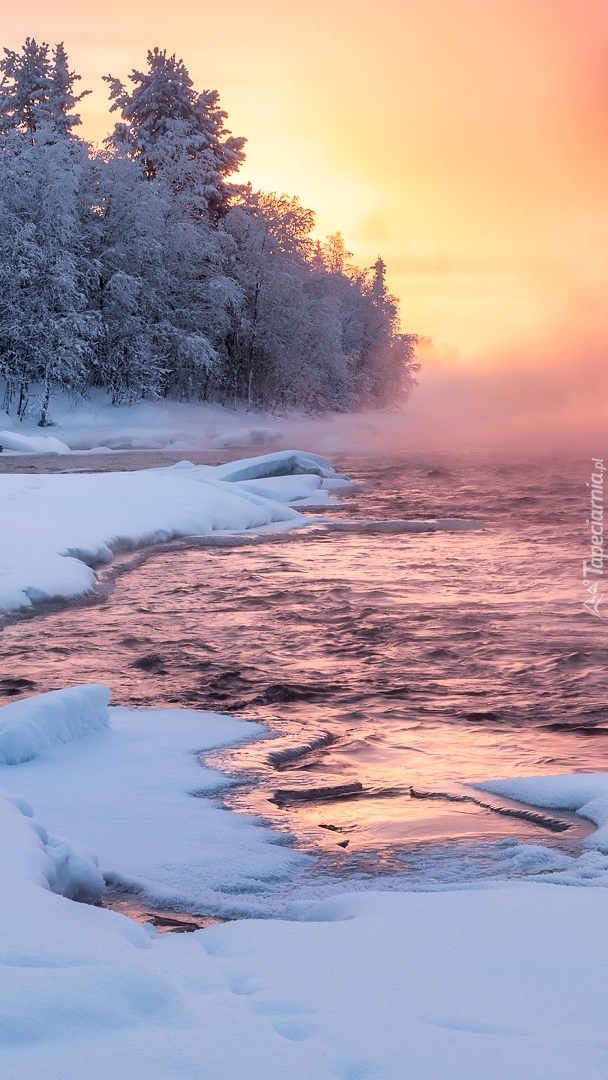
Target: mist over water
[[389, 665], [545, 402]]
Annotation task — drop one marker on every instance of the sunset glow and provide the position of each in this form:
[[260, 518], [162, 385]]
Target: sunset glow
[[467, 143]]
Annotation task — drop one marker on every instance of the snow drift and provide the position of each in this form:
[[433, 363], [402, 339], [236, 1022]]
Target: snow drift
[[32, 725]]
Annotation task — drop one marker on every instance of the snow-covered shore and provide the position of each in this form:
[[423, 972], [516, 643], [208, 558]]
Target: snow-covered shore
[[96, 425], [56, 528], [505, 982]]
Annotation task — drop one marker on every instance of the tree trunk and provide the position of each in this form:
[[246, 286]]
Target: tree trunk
[[23, 387], [43, 421]]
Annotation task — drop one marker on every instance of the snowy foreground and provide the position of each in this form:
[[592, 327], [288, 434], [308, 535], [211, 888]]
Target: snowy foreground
[[501, 983]]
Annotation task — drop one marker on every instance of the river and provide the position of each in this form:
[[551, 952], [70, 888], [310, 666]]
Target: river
[[391, 667]]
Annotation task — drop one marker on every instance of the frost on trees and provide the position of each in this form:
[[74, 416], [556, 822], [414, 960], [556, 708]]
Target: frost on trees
[[176, 135], [147, 272], [37, 90], [46, 328]]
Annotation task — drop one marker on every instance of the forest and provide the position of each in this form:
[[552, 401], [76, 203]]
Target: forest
[[144, 268]]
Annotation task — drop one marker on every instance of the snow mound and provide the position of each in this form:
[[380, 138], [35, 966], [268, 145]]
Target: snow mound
[[303, 488], [282, 463], [28, 851], [32, 444], [35, 724], [254, 436]]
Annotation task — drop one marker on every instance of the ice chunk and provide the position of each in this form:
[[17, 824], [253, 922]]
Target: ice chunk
[[283, 463]]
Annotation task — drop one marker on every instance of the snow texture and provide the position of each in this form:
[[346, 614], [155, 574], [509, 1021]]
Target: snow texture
[[505, 982], [179, 846], [30, 726]]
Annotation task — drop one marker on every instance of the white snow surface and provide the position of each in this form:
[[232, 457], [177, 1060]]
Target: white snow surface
[[32, 725], [32, 444], [506, 982], [131, 788], [55, 528], [95, 424]]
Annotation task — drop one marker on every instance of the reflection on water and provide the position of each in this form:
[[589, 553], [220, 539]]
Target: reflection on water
[[381, 661]]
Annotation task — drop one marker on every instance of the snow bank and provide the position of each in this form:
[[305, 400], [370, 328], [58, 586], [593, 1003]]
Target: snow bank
[[32, 444], [28, 850], [282, 463], [55, 528], [136, 796], [585, 793], [202, 425], [504, 982], [304, 490], [35, 724]]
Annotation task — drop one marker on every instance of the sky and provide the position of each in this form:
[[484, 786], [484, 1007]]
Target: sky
[[465, 142]]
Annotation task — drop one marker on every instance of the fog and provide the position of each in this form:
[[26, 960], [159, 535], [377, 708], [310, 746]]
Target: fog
[[551, 402]]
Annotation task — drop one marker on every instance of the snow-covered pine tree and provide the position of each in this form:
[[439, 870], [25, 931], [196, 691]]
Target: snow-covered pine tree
[[176, 135], [25, 88], [176, 144], [62, 100]]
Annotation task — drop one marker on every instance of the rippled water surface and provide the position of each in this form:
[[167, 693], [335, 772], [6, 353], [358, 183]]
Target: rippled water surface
[[389, 665]]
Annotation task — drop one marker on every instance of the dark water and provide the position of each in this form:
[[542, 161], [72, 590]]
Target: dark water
[[390, 665]]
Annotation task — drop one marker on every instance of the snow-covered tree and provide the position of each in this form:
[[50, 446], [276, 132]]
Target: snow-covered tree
[[144, 271], [25, 88], [176, 135], [286, 344], [62, 100], [37, 91], [47, 330], [312, 330]]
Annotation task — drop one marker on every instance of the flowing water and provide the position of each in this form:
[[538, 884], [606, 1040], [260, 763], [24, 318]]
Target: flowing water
[[391, 667]]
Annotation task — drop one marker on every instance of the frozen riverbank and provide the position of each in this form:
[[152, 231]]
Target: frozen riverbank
[[508, 982], [190, 427], [56, 528]]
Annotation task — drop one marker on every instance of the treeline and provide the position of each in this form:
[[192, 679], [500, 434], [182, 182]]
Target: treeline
[[146, 271]]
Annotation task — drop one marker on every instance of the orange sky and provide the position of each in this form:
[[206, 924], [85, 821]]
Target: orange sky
[[464, 140]]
